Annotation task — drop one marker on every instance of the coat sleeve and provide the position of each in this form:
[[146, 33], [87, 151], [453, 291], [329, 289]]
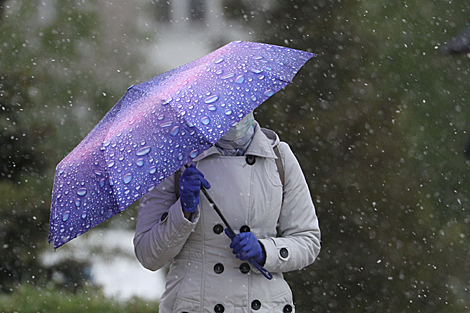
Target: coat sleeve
[[161, 229], [299, 243]]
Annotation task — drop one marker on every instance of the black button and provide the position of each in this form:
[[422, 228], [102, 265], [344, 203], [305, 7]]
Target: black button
[[219, 308], [250, 159], [256, 305], [218, 229], [218, 268], [164, 216], [244, 268], [287, 308], [284, 253], [244, 229]]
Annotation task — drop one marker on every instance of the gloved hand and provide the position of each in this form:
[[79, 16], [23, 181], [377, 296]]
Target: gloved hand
[[190, 186], [246, 245]]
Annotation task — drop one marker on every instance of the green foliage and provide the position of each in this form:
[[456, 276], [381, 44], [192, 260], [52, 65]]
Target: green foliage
[[49, 300], [378, 121], [63, 64]]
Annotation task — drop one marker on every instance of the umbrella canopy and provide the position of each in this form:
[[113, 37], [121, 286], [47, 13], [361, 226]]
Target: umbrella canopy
[[160, 125]]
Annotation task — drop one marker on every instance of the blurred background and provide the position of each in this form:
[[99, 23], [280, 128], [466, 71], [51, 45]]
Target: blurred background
[[379, 121]]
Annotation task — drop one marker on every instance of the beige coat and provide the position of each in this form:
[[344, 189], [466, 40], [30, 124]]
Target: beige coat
[[204, 275]]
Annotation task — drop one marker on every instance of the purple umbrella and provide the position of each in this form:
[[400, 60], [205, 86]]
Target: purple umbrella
[[160, 125]]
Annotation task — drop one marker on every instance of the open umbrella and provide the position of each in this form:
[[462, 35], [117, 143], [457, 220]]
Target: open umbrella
[[160, 125]]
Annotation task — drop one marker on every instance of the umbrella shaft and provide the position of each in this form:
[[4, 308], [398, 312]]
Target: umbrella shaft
[[263, 271], [209, 198]]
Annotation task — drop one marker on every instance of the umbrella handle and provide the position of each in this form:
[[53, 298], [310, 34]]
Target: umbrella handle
[[262, 270]]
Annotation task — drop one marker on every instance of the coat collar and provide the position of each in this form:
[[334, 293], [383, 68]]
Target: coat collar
[[264, 140]]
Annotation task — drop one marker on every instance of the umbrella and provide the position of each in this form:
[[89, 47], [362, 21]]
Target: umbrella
[[160, 125]]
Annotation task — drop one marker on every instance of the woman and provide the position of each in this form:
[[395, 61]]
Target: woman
[[242, 177]]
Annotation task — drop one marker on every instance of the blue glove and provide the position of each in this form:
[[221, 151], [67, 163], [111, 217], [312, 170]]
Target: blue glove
[[245, 246], [190, 186]]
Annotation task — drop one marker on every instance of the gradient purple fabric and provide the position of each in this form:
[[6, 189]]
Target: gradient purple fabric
[[160, 125]]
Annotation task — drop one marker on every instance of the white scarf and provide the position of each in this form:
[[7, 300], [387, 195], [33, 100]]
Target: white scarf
[[238, 146]]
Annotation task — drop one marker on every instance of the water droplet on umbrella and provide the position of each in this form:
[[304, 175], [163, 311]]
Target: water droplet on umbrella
[[98, 173], [77, 202], [167, 124], [205, 120], [180, 156], [127, 178], [211, 99], [256, 71], [175, 131], [269, 92], [219, 72], [84, 214], [165, 102], [66, 216], [81, 192], [102, 182], [211, 107], [218, 60], [143, 151], [254, 98], [111, 183], [194, 153], [228, 76], [110, 163], [240, 79], [267, 68], [160, 117], [153, 169], [109, 213], [139, 162], [228, 112]]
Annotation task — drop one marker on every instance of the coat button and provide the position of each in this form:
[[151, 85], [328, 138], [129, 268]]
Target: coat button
[[284, 253], [256, 305], [244, 229], [250, 159], [218, 268], [287, 308], [218, 229], [219, 308], [164, 216], [244, 268]]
